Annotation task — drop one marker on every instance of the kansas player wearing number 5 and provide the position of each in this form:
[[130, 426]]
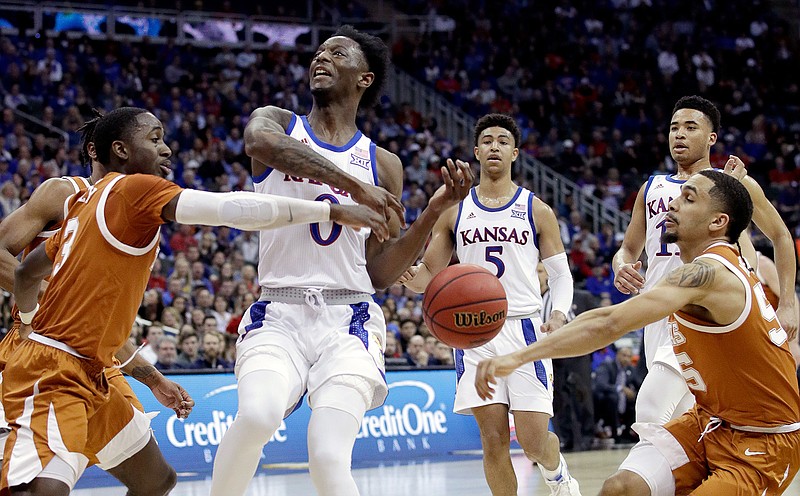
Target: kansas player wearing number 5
[[742, 437], [692, 132], [316, 328], [507, 229]]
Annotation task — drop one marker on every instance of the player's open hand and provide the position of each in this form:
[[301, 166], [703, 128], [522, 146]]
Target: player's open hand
[[379, 200], [628, 280], [735, 167], [361, 216], [457, 178], [488, 372], [787, 316], [172, 395]]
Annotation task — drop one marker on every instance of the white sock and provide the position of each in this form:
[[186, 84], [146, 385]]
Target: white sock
[[557, 474], [263, 396]]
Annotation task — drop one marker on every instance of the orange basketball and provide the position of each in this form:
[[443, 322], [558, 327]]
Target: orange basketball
[[465, 306]]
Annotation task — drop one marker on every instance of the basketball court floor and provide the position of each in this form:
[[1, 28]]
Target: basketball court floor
[[439, 478]]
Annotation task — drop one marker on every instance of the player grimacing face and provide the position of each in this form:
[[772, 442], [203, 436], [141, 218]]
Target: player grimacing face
[[337, 60], [690, 136], [496, 150], [146, 150], [691, 213]]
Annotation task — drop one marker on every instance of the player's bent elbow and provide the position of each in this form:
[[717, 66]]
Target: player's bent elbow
[[381, 282], [259, 145]]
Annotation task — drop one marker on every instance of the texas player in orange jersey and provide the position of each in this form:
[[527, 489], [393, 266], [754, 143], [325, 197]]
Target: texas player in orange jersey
[[27, 227], [55, 393], [742, 437]]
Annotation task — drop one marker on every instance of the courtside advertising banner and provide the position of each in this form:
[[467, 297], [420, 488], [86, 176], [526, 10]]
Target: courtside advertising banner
[[416, 421]]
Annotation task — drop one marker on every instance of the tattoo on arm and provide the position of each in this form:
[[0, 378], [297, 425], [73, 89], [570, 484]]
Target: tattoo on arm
[[697, 274], [145, 374]]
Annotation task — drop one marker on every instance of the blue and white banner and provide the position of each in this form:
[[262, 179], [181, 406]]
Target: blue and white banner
[[416, 421]]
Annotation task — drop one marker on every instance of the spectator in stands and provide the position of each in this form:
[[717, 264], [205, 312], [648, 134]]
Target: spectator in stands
[[408, 329], [152, 333], [213, 348], [170, 317], [391, 348], [415, 352], [189, 348], [614, 389], [220, 313], [443, 354], [167, 353]]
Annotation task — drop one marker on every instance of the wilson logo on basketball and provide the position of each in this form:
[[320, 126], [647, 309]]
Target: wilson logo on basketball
[[477, 319]]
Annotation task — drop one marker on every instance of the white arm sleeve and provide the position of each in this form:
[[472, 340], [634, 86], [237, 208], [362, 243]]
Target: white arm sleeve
[[247, 211], [559, 278]]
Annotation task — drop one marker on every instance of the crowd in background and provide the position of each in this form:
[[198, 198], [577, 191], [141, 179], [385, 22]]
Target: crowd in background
[[591, 85]]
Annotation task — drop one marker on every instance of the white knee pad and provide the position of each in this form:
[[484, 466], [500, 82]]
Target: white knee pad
[[664, 395], [67, 473], [265, 357], [646, 461], [348, 393]]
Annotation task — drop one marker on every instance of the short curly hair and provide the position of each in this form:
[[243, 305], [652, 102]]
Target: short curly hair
[[378, 61], [498, 120], [708, 109]]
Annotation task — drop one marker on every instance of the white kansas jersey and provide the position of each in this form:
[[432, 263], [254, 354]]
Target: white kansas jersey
[[324, 254], [661, 257], [503, 240]]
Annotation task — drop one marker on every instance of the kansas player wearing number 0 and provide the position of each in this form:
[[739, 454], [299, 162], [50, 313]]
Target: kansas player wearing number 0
[[506, 229], [742, 437], [316, 328]]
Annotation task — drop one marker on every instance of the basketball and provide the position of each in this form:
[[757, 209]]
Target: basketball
[[465, 306]]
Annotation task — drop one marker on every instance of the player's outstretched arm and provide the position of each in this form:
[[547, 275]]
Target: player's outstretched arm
[[437, 254], [600, 327], [554, 258], [168, 393], [769, 221], [626, 263], [266, 142], [18, 230], [387, 261], [255, 211]]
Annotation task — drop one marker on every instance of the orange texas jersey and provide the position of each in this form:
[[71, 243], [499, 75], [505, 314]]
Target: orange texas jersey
[[735, 370], [79, 184], [101, 263]]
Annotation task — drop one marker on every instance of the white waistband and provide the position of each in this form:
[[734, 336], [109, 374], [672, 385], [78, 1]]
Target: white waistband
[[55, 344], [313, 296], [781, 429]]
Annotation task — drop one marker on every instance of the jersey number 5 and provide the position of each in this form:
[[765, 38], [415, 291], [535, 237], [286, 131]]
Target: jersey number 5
[[691, 374], [495, 260]]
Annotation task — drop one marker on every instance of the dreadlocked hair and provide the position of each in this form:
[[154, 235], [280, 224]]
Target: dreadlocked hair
[[741, 255], [87, 135]]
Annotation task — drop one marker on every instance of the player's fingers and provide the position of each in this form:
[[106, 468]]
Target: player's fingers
[[397, 206], [447, 178], [729, 166], [470, 176], [622, 286], [631, 275]]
